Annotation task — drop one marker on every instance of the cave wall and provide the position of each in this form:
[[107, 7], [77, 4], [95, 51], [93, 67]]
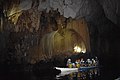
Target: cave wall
[[65, 38], [24, 36]]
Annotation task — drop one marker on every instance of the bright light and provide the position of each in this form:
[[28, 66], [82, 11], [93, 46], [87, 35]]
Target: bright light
[[77, 49], [83, 51]]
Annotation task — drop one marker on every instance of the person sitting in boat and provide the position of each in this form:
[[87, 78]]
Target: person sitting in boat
[[69, 63], [97, 61], [82, 62], [73, 65], [93, 62], [89, 62], [77, 62]]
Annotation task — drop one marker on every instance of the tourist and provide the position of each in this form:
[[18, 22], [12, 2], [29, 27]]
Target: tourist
[[82, 62], [93, 62], [77, 62], [69, 63], [89, 62]]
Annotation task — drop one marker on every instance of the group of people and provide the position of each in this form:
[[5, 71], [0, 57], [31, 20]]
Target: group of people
[[82, 63]]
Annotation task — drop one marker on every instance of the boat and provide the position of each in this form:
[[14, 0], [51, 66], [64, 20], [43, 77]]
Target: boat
[[76, 69], [87, 68], [66, 71]]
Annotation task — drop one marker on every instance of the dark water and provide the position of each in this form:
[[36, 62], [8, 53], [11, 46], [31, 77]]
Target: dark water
[[99, 74], [82, 75], [95, 74]]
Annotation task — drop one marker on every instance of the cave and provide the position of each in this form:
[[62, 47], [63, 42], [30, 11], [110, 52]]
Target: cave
[[32, 31]]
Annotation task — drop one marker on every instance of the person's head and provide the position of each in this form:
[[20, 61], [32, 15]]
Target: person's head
[[69, 60]]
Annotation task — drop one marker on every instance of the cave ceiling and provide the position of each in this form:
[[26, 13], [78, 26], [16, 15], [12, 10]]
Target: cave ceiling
[[69, 8]]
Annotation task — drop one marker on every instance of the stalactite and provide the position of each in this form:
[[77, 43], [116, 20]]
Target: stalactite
[[1, 24], [1, 17]]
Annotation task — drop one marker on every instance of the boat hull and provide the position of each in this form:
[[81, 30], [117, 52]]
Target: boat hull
[[76, 69]]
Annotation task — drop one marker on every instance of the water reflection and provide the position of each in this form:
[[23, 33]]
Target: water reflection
[[81, 75], [93, 74]]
